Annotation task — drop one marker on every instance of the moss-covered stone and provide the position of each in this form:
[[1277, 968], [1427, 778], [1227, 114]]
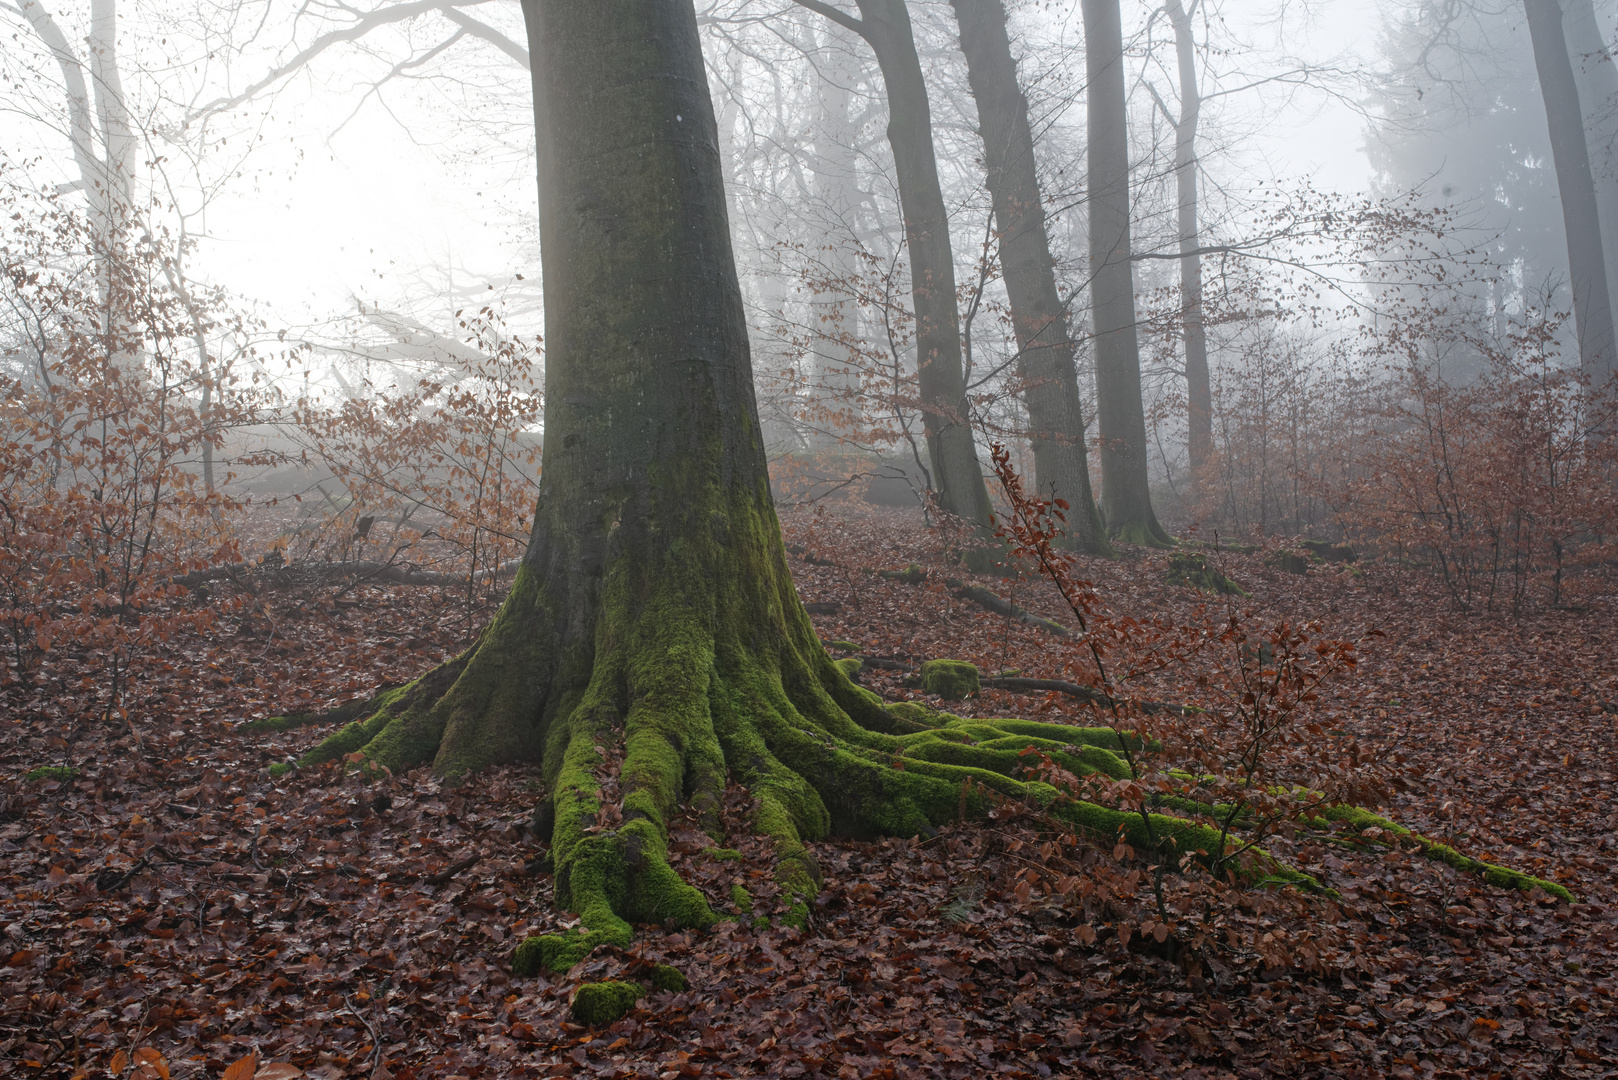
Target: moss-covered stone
[[724, 854], [666, 978], [843, 646], [600, 1003], [740, 898], [59, 773], [281, 768], [1196, 572], [952, 680], [850, 666]]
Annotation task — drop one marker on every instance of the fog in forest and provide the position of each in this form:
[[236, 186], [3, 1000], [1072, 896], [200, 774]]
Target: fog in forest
[[349, 187], [808, 538]]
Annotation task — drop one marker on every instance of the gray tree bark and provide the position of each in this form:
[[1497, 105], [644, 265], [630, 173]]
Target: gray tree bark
[[1126, 499], [957, 476], [1592, 299], [836, 381], [1199, 389], [1596, 76], [1039, 317]]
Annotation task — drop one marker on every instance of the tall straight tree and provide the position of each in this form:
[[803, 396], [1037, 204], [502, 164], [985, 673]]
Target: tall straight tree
[[1587, 272], [1126, 498], [1596, 76], [652, 641], [1193, 328], [1038, 315], [957, 476]]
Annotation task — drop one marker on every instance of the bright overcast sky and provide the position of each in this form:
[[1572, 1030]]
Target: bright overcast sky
[[370, 212]]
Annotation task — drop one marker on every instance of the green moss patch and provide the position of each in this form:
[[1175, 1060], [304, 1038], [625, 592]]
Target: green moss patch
[[952, 680], [666, 978], [59, 773], [600, 1003]]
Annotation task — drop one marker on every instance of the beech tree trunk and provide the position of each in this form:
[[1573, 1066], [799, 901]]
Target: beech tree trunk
[[1039, 317], [1199, 388], [832, 306], [1126, 498], [1596, 76], [1592, 299], [652, 641], [957, 475]]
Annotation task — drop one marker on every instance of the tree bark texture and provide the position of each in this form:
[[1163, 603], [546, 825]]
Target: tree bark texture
[[1592, 304], [1039, 317], [957, 475], [1596, 76], [1199, 388], [1126, 500], [652, 641]]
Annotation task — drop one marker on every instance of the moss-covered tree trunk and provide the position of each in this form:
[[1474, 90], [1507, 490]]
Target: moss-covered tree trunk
[[652, 645]]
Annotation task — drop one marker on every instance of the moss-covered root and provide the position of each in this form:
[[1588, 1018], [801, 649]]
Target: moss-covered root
[[1359, 818], [355, 709], [605, 1002]]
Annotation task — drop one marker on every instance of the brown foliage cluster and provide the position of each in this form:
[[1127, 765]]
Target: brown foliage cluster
[[128, 398]]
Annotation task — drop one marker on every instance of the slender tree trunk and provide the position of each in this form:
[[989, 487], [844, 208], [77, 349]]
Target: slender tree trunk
[[833, 309], [1040, 318], [1126, 500], [1592, 305], [1596, 76], [1199, 390], [957, 476]]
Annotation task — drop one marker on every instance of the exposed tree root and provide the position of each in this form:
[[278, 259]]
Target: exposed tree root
[[1001, 606]]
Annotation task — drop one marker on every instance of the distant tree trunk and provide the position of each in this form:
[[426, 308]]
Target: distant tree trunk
[[1126, 499], [957, 476], [1596, 76], [832, 307], [1592, 303], [1199, 389], [1046, 351]]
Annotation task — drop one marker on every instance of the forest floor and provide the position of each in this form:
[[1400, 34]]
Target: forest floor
[[173, 911]]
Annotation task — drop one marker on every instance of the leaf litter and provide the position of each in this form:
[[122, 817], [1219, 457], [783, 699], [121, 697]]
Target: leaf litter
[[173, 910]]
